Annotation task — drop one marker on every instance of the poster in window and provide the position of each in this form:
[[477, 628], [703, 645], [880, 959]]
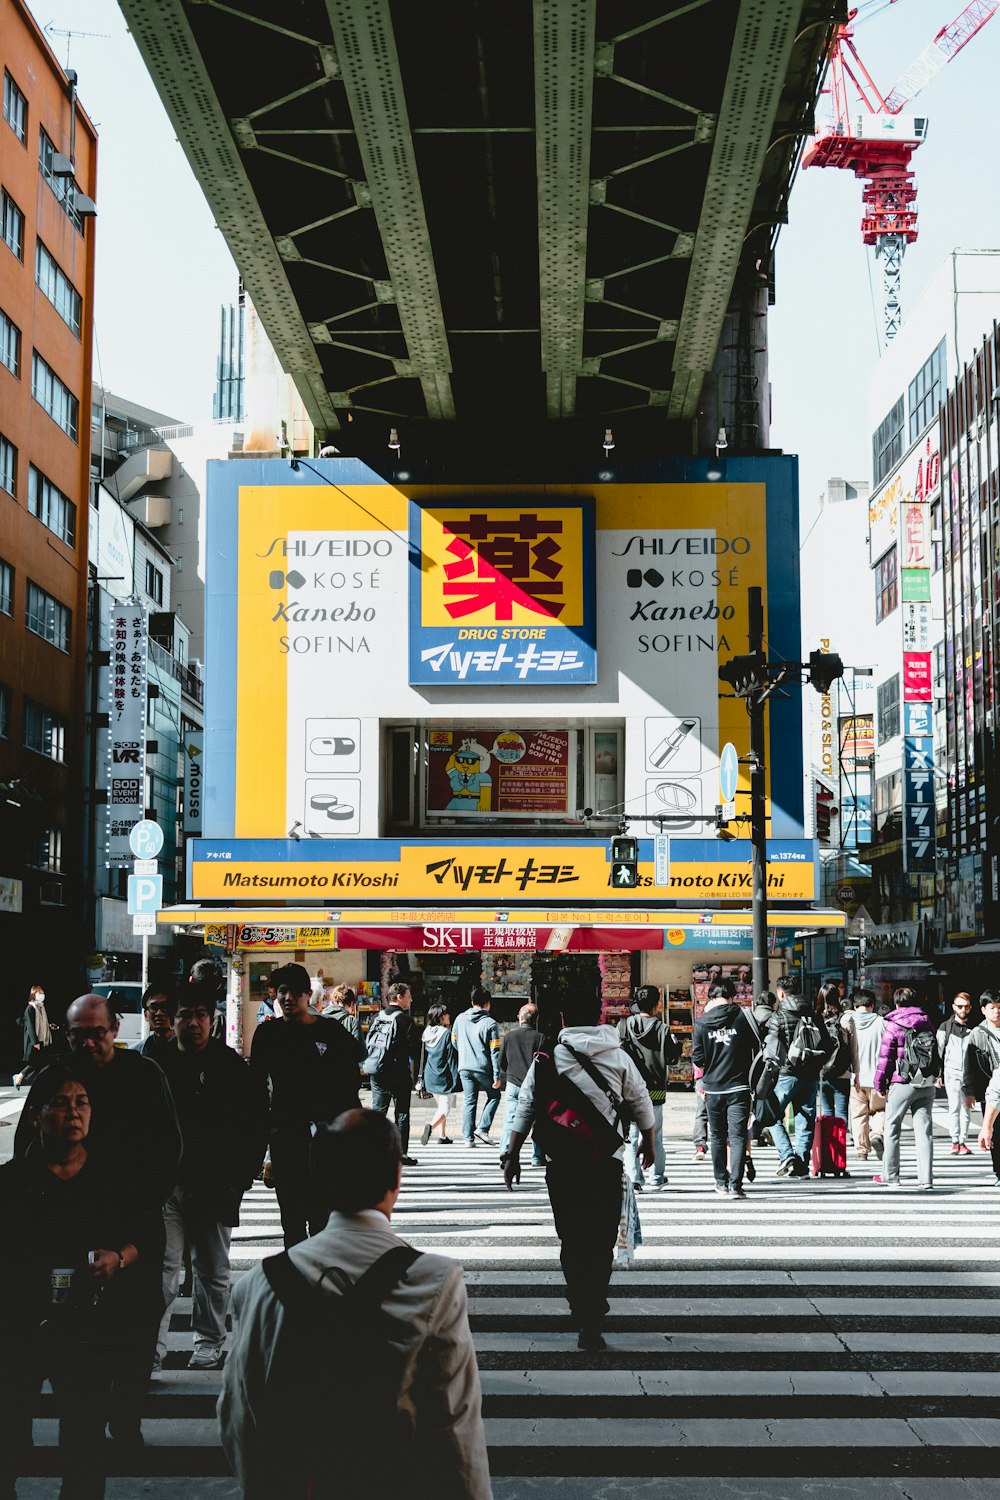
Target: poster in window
[[505, 771]]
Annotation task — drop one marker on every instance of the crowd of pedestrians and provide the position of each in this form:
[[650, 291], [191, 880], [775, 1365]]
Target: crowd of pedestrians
[[126, 1161]]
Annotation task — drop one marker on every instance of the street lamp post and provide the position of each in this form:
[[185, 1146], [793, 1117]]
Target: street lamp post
[[753, 678]]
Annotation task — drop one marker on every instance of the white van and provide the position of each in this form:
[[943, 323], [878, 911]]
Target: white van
[[125, 996]]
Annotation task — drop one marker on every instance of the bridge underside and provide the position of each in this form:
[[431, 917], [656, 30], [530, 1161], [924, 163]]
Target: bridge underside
[[475, 213]]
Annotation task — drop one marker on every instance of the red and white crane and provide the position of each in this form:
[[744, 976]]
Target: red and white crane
[[871, 137]]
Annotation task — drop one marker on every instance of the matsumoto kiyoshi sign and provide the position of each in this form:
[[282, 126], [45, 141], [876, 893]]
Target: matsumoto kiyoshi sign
[[340, 602], [700, 870], [502, 591]]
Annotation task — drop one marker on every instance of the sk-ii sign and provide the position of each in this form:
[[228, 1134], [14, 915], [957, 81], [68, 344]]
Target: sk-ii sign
[[919, 816], [502, 591]]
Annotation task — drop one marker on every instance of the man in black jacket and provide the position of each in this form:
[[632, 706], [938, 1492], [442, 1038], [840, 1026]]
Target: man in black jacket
[[516, 1053], [723, 1047], [646, 1038], [312, 1066], [798, 1081], [222, 1109], [395, 1042]]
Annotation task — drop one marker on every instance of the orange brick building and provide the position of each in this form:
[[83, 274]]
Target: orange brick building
[[48, 176]]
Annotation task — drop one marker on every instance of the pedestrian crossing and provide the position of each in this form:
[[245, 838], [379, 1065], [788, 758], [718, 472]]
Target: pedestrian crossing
[[819, 1330]]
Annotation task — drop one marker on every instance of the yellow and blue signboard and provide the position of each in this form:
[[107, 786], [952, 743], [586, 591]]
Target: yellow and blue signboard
[[502, 591]]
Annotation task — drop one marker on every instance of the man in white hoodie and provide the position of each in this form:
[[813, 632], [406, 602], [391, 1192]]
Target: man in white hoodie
[[586, 1192], [867, 1108]]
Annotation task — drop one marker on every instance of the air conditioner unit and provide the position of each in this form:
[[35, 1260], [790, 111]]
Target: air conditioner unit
[[51, 893]]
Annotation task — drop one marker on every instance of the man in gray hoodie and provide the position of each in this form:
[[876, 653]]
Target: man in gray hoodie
[[864, 1029]]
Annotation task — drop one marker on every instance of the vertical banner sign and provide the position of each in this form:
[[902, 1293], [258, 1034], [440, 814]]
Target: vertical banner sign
[[127, 730], [919, 816], [194, 748]]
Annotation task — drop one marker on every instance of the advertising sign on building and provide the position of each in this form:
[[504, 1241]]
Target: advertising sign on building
[[917, 481], [502, 591], [919, 817], [194, 755], [916, 619], [510, 770], [127, 729], [917, 685]]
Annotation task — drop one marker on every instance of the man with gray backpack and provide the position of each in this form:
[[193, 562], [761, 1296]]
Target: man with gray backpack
[[808, 1046], [646, 1039]]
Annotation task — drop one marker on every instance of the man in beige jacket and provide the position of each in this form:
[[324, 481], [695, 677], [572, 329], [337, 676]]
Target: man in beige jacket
[[439, 1404]]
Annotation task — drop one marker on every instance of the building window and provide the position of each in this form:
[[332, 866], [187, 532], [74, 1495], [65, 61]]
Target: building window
[[15, 108], [63, 187], [887, 444], [8, 465], [54, 397], [180, 566], [886, 585], [154, 583], [48, 856], [4, 713], [926, 392], [10, 345], [44, 732], [888, 709], [57, 287], [6, 588], [54, 509], [48, 618], [13, 224]]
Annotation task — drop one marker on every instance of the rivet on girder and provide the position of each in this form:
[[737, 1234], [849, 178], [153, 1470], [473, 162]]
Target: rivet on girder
[[286, 247], [384, 291], [319, 333], [362, 194], [594, 289], [598, 190], [591, 365], [704, 128], [659, 398], [403, 367], [668, 329], [683, 247], [340, 398]]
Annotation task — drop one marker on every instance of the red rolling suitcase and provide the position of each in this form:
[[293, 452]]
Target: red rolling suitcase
[[829, 1149]]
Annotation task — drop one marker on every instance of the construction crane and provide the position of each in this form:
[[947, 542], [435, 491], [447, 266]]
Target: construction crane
[[872, 138]]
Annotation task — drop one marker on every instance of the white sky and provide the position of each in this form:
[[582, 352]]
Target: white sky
[[163, 268]]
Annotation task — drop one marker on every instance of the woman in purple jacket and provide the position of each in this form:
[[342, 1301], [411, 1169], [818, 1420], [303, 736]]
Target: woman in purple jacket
[[904, 1092]]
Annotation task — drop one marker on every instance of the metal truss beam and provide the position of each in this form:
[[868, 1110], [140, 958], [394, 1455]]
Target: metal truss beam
[[170, 52], [369, 64], [758, 64], [564, 33]]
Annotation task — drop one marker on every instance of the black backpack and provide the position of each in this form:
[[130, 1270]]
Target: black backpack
[[920, 1062], [568, 1126], [380, 1037], [652, 1058], [302, 1450], [806, 1053]]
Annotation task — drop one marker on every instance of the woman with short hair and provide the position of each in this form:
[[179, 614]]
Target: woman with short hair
[[438, 1071]]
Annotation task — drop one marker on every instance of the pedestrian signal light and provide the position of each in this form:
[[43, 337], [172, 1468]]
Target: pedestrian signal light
[[624, 863]]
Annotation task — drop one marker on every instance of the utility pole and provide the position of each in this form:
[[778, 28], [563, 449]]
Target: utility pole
[[753, 678], [758, 802]]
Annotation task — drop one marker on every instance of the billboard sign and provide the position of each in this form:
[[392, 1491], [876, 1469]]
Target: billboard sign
[[127, 729]]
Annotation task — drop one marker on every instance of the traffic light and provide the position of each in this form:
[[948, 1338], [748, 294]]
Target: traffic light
[[624, 863], [824, 669], [745, 674]]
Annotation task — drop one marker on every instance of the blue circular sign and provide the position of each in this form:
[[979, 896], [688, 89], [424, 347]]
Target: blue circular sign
[[729, 771], [146, 839]]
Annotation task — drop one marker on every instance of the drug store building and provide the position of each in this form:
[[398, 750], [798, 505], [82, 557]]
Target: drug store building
[[429, 709]]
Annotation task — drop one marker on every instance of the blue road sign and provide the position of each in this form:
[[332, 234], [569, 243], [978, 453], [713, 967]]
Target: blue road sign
[[729, 772], [146, 839]]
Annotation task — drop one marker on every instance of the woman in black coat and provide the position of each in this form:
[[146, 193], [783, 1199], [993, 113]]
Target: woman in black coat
[[68, 1245]]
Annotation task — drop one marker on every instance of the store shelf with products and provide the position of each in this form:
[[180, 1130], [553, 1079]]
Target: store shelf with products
[[680, 1019], [616, 986]]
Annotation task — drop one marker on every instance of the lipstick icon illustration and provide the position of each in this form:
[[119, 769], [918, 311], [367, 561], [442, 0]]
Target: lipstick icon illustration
[[671, 743]]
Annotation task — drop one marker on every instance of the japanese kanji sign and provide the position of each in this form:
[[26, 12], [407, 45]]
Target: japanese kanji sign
[[502, 591], [127, 729]]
